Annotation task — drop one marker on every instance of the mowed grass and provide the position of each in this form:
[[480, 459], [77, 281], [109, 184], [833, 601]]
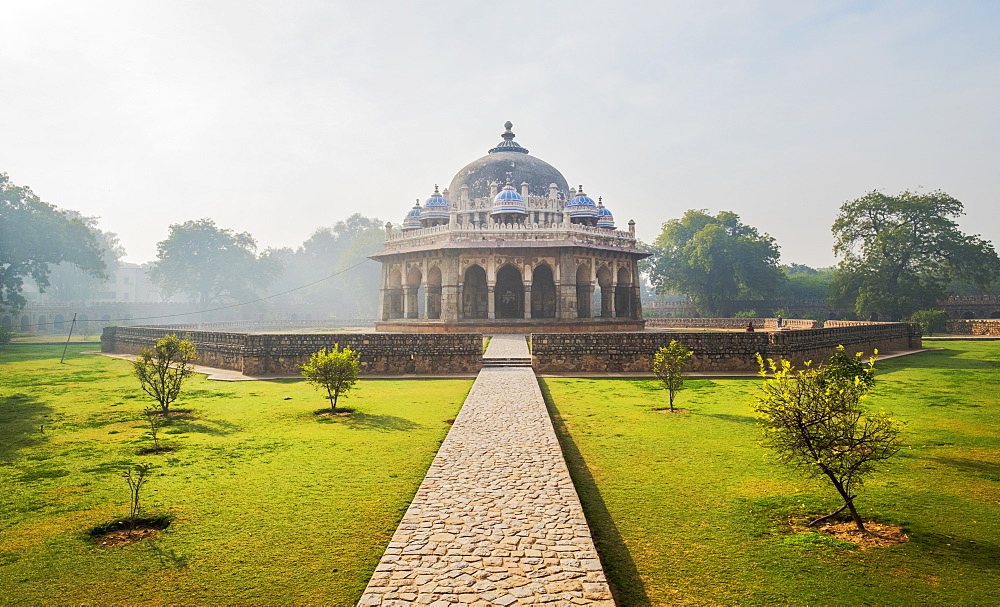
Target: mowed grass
[[272, 504], [689, 510]]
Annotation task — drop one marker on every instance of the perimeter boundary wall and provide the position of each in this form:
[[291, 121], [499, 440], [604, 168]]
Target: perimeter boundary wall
[[282, 353], [713, 352]]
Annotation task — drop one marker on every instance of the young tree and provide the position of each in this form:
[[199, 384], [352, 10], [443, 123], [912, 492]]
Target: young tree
[[669, 364], [714, 261], [334, 370], [35, 234], [135, 482], [155, 423], [900, 254], [813, 419], [162, 370]]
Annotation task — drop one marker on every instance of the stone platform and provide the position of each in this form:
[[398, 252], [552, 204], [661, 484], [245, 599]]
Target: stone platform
[[517, 326], [496, 520]]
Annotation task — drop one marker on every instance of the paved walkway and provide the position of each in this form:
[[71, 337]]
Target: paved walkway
[[496, 520]]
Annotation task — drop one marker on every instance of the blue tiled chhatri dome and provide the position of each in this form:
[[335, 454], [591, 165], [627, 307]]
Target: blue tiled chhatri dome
[[436, 209], [582, 208], [509, 202], [604, 217], [412, 219]]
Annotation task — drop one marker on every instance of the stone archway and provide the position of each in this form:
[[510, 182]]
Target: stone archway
[[434, 292], [543, 292], [509, 293], [607, 291], [394, 295], [413, 303], [584, 292], [475, 296], [623, 294]]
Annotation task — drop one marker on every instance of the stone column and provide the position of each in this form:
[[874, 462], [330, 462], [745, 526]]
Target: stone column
[[527, 300], [490, 301], [608, 301], [451, 298], [410, 307]]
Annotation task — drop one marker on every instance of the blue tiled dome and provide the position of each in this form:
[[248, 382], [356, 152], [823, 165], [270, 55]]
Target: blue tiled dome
[[604, 217], [582, 205], [436, 207], [412, 219], [508, 201]]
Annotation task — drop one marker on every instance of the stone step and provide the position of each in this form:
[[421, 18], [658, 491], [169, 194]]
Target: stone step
[[506, 362]]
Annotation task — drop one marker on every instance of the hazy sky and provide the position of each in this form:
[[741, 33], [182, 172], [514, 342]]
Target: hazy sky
[[279, 117]]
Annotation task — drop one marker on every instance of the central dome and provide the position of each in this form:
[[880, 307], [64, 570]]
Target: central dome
[[508, 162]]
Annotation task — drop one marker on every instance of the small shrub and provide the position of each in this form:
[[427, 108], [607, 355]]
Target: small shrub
[[930, 321], [751, 313]]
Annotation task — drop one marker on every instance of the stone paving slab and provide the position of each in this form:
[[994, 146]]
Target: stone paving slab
[[496, 520], [507, 346]]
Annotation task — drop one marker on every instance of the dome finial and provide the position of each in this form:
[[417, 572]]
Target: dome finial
[[508, 144]]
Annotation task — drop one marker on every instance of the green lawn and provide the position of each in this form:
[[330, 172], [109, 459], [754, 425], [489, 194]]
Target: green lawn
[[272, 504], [688, 509]]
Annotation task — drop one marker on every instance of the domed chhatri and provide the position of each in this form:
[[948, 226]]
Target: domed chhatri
[[508, 161], [412, 220], [604, 217], [582, 209], [436, 209], [508, 206], [531, 255]]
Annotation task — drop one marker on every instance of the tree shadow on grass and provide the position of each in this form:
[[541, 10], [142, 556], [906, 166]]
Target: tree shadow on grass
[[937, 359], [974, 467], [726, 417], [623, 576], [23, 421], [979, 554], [210, 427], [383, 423]]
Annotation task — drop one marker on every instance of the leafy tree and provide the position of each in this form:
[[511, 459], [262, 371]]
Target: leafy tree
[[715, 261], [331, 250], [803, 282], [68, 283], [161, 371], [335, 371], [211, 264], [900, 253], [930, 321], [669, 364], [35, 234], [813, 419]]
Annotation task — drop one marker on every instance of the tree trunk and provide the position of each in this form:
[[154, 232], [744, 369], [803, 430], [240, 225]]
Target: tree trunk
[[848, 501]]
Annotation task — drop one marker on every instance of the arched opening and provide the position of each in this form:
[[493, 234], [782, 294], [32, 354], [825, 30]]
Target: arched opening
[[584, 292], [58, 323], [394, 295], [509, 294], [25, 323], [434, 292], [474, 294], [41, 326], [543, 292], [623, 294], [414, 305], [604, 281]]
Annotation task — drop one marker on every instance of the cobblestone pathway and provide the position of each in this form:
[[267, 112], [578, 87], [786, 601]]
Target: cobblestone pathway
[[496, 520], [507, 346]]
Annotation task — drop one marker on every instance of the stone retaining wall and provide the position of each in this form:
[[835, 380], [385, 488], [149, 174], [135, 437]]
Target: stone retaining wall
[[633, 352], [729, 323], [974, 327], [261, 354]]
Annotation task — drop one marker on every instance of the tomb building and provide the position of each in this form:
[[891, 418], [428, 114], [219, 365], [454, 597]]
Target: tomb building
[[509, 246]]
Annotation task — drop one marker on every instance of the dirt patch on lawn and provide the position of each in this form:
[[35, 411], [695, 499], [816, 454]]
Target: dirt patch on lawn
[[119, 533], [881, 535], [668, 411]]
